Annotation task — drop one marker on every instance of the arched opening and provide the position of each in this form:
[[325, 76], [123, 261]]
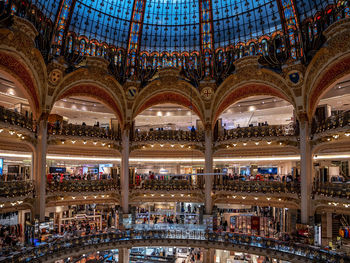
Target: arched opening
[[84, 124], [253, 136], [167, 141], [330, 131]]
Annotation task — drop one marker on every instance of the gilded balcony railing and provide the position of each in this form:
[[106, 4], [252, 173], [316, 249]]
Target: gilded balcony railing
[[167, 185], [16, 189], [290, 251], [340, 190], [14, 118], [81, 186], [257, 186], [83, 131], [169, 135], [257, 131], [333, 122]]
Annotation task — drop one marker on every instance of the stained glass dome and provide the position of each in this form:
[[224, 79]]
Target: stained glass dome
[[177, 25]]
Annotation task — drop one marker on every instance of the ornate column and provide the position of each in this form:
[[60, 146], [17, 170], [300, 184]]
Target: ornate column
[[123, 255], [209, 255], [124, 176], [306, 169], [39, 169], [208, 169]]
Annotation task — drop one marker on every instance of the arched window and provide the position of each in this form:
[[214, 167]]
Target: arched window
[[241, 51], [252, 49], [82, 47], [93, 49], [70, 44], [264, 47]]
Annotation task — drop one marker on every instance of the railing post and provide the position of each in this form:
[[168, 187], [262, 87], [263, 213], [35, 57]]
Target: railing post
[[39, 169], [209, 255], [208, 169], [123, 255]]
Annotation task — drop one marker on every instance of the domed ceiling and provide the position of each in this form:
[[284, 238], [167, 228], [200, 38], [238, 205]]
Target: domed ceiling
[[177, 25]]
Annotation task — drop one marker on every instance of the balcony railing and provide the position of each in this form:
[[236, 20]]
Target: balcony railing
[[15, 118], [340, 190], [333, 122], [16, 189], [83, 131], [81, 186], [257, 131], [167, 185], [169, 135], [257, 186], [64, 247]]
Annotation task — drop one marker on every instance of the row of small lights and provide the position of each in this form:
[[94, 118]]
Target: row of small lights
[[171, 145], [85, 142], [162, 195], [85, 197], [12, 203], [255, 198], [336, 136], [20, 135], [245, 144], [336, 204]]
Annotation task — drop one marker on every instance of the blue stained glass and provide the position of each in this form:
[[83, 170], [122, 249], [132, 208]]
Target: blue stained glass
[[105, 20]]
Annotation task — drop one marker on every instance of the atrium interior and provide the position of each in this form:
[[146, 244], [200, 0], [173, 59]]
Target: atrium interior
[[182, 131]]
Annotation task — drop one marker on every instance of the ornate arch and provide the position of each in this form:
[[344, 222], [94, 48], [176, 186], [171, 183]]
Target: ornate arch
[[231, 91], [179, 92], [21, 60], [83, 83], [329, 65], [19, 73]]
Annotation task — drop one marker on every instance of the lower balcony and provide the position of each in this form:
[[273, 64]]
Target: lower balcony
[[14, 190], [82, 186]]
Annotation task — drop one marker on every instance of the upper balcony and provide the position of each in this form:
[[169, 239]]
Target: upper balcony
[[176, 136], [258, 133], [16, 190], [73, 131]]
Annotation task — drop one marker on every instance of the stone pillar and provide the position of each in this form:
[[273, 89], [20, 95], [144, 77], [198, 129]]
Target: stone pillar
[[123, 255], [326, 228], [208, 170], [124, 177], [39, 169], [209, 255], [306, 171]]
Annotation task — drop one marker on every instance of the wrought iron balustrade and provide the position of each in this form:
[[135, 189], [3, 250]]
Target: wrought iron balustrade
[[14, 118], [168, 185], [333, 122], [258, 131], [16, 189], [114, 239], [257, 186], [169, 135], [80, 186], [340, 190], [84, 131]]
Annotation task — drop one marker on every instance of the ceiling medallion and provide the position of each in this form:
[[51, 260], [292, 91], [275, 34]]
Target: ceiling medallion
[[131, 92], [207, 93], [55, 76], [294, 77]]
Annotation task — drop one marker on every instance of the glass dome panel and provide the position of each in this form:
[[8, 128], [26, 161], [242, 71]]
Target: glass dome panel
[[171, 25], [242, 20], [104, 20], [48, 7]]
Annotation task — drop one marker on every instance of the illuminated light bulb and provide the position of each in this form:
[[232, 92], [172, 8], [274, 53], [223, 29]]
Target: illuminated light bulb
[[268, 198], [103, 144], [73, 197], [85, 197], [161, 195], [257, 143], [144, 195], [1, 130], [244, 197], [234, 197], [73, 142], [84, 142], [152, 194], [172, 195], [19, 134], [152, 145], [328, 139], [227, 146], [244, 144], [161, 145], [234, 145], [94, 143], [62, 142], [11, 132], [182, 146], [336, 136], [269, 143], [172, 145], [346, 134], [256, 198]]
